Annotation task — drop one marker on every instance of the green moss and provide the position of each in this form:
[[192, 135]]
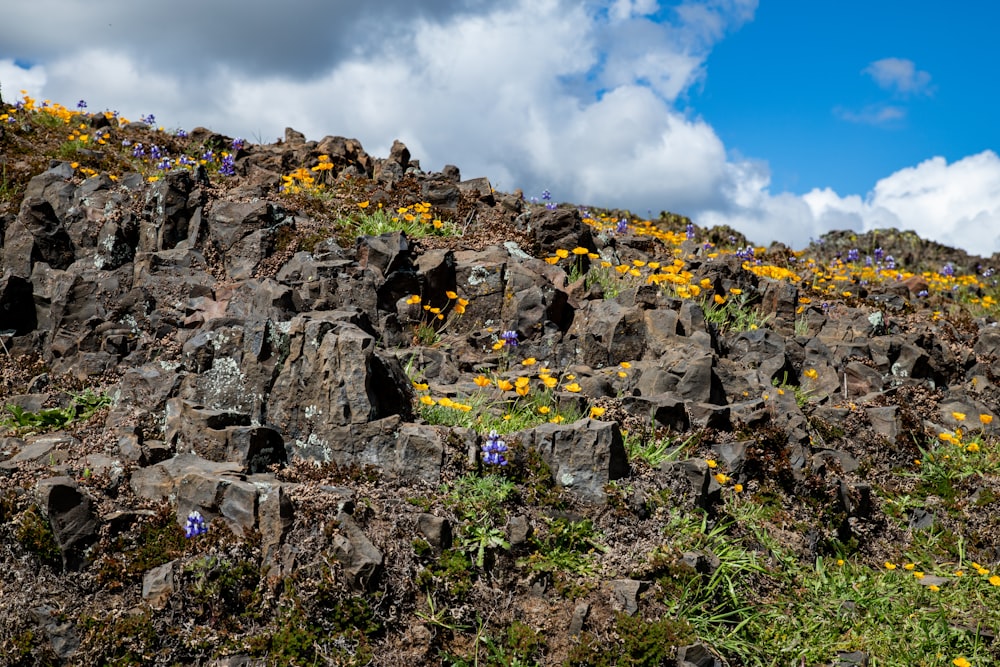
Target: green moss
[[128, 640], [452, 574], [640, 642], [35, 534]]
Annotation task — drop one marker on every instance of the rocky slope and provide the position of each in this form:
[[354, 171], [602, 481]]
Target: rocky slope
[[257, 397]]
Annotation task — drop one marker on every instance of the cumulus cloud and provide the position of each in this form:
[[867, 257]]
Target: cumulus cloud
[[899, 75], [957, 204], [585, 99]]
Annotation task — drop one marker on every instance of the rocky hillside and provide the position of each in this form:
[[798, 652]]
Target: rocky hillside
[[293, 404]]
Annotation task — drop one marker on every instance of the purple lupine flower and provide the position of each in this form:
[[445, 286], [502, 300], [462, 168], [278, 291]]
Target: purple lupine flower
[[745, 253], [853, 255], [126, 143], [182, 134], [209, 156], [155, 152], [238, 143], [878, 254], [81, 105], [228, 167], [138, 150], [923, 293], [988, 272], [195, 525], [948, 270], [164, 164], [494, 449], [689, 231], [622, 226], [509, 338], [185, 161], [148, 120], [546, 195], [890, 262]]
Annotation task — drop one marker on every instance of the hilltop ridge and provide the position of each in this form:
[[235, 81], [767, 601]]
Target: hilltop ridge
[[291, 403]]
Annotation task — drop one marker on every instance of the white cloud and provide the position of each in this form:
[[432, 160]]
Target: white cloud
[[957, 204], [579, 98], [875, 114], [899, 75]]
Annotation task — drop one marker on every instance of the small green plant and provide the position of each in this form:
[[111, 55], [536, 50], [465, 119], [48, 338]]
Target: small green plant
[[82, 407], [801, 395], [733, 312], [567, 546], [415, 221], [35, 534], [656, 450]]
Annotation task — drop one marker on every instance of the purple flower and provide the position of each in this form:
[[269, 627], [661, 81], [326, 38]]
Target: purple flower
[[126, 143], [878, 254], [509, 338], [138, 151], [195, 525], [853, 255], [987, 273], [922, 293], [745, 253], [182, 134], [238, 143], [494, 449], [155, 152], [890, 262], [546, 195], [622, 226], [689, 231], [164, 164], [209, 156], [81, 105], [227, 168], [948, 270], [148, 120]]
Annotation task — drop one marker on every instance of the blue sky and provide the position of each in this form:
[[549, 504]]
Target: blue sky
[[774, 88], [784, 119]]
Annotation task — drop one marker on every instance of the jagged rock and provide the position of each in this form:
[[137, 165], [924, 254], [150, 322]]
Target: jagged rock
[[696, 655], [158, 585], [61, 631], [361, 559], [17, 304], [69, 512], [562, 228], [167, 211], [583, 456], [625, 594], [436, 530]]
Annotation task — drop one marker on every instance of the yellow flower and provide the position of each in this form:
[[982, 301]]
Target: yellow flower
[[961, 662], [909, 566], [413, 300], [711, 463], [438, 224], [972, 447], [736, 291], [721, 478], [840, 562], [812, 374], [420, 386], [482, 381], [719, 299], [985, 419], [446, 402], [579, 250], [596, 412], [573, 387], [705, 283], [994, 580], [549, 381], [622, 374], [426, 400], [552, 260], [625, 364], [918, 574], [934, 587], [505, 385], [498, 345], [958, 416], [889, 566], [544, 410], [451, 295], [530, 361], [363, 204], [558, 419], [738, 488], [562, 253]]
